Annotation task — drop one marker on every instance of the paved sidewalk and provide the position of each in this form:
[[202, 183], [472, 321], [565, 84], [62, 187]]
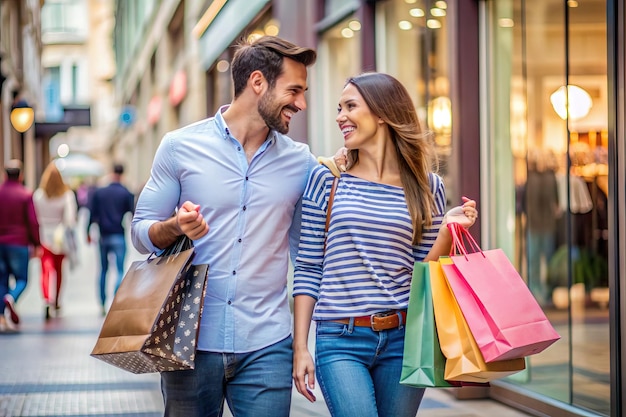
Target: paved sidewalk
[[46, 370]]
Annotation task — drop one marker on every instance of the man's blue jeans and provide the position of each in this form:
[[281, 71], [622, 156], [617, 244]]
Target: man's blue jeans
[[358, 370], [254, 384], [13, 261], [115, 244]]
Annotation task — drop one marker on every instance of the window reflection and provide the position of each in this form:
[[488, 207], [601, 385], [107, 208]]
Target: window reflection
[[340, 51], [413, 47], [555, 158]]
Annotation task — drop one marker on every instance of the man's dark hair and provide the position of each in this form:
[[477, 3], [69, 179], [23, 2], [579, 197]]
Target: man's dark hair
[[266, 54], [13, 168], [118, 169]]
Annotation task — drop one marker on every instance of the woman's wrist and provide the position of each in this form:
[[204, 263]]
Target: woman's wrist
[[444, 232]]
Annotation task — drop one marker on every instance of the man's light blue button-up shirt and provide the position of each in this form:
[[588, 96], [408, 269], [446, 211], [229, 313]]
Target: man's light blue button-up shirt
[[253, 211]]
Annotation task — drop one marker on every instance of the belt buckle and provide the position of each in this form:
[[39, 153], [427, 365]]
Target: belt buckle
[[381, 314]]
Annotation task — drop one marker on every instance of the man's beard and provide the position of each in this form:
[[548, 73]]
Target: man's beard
[[272, 114]]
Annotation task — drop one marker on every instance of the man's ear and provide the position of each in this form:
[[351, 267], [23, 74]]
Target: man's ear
[[257, 81]]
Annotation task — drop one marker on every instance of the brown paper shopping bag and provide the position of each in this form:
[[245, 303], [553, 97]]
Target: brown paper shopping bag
[[153, 321]]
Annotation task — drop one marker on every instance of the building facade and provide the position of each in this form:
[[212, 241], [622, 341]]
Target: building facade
[[20, 73], [518, 94], [77, 115]]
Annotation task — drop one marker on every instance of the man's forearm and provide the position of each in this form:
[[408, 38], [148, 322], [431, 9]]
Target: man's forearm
[[163, 234]]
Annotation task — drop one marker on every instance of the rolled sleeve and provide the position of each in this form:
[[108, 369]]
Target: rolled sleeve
[[141, 238], [158, 199]]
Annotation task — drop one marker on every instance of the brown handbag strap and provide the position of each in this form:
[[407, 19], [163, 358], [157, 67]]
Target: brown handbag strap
[[329, 208]]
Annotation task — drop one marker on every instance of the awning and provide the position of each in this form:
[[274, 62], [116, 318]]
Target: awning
[[228, 24], [79, 165]]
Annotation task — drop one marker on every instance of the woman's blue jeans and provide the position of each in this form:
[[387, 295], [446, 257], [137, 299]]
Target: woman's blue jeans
[[358, 370], [254, 384]]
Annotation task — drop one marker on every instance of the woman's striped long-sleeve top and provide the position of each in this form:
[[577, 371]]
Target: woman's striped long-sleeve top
[[369, 257]]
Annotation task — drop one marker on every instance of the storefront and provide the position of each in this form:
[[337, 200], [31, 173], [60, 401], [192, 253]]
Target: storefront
[[551, 158], [490, 81], [524, 99]]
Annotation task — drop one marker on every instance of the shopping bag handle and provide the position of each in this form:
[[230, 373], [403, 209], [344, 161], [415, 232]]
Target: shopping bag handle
[[458, 234], [181, 244]]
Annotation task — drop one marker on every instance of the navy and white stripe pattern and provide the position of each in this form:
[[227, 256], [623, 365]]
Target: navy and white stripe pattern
[[369, 254]]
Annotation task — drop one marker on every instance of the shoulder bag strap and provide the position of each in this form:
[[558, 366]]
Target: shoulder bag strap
[[331, 198]]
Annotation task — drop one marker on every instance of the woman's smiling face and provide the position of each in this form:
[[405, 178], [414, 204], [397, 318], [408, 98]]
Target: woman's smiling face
[[355, 119]]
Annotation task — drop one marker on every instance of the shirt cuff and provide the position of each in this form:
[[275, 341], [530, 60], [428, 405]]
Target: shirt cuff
[[141, 238]]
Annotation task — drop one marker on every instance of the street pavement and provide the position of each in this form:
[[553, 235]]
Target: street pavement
[[46, 370]]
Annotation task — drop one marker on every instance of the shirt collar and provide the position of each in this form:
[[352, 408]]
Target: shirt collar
[[223, 128]]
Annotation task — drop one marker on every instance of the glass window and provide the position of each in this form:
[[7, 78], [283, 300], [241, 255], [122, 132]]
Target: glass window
[[75, 83], [219, 86], [547, 147], [339, 57], [52, 94], [64, 17], [412, 38]]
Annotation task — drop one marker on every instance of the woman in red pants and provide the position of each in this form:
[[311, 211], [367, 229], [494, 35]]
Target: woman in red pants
[[56, 209]]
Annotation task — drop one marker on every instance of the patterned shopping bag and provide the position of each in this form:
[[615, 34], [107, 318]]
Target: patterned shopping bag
[[153, 322]]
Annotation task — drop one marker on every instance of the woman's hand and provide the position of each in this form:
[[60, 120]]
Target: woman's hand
[[304, 373], [464, 215]]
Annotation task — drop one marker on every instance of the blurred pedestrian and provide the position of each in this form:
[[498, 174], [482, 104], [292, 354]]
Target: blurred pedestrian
[[239, 174], [107, 208], [19, 231], [354, 281], [542, 211], [55, 205]]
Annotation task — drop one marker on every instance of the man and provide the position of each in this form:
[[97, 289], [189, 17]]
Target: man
[[19, 230], [107, 209], [236, 182]]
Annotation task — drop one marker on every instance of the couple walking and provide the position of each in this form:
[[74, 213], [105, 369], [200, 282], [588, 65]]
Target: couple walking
[[250, 198]]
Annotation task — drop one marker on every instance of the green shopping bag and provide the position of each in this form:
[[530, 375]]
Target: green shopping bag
[[423, 363]]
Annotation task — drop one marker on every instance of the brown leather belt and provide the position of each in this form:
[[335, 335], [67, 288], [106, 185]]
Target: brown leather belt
[[379, 321]]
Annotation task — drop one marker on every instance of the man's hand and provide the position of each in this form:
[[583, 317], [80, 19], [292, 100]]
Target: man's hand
[[190, 221], [337, 164], [341, 159]]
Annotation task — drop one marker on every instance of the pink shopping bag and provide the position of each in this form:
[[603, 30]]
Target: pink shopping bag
[[501, 312]]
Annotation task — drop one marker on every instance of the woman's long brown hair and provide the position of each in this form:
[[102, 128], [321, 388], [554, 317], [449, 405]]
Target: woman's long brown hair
[[52, 182], [388, 99]]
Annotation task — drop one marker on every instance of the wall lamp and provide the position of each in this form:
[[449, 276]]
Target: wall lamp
[[22, 116]]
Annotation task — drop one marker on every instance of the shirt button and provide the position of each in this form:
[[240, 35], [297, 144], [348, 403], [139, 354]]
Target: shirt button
[[229, 302], [244, 208], [234, 272], [238, 148], [239, 240], [246, 178]]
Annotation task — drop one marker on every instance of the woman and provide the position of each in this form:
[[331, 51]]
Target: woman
[[388, 213], [56, 209]]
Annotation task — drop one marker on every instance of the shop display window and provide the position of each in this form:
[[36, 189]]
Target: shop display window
[[548, 152]]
